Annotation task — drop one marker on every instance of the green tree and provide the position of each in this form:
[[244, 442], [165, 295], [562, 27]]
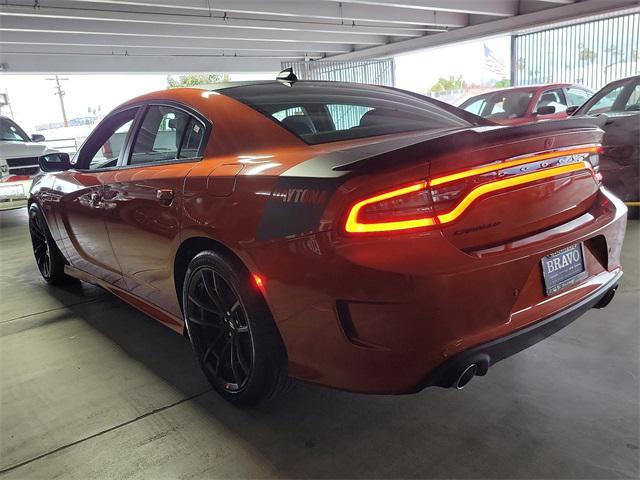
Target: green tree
[[194, 80], [503, 83], [586, 54], [446, 84]]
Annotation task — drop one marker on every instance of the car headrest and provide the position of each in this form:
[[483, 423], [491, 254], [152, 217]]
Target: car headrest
[[510, 105], [547, 98], [375, 117], [299, 124], [516, 106]]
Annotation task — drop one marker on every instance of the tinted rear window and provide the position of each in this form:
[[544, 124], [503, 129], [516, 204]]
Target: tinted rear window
[[327, 112]]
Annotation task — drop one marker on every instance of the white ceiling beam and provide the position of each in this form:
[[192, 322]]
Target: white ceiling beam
[[505, 26], [62, 64], [305, 9], [215, 21], [41, 49], [71, 40], [498, 8], [10, 21]]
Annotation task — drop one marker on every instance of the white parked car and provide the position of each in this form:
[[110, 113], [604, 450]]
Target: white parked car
[[19, 154]]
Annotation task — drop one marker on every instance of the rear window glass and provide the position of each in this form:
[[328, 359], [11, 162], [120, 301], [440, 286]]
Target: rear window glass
[[327, 112]]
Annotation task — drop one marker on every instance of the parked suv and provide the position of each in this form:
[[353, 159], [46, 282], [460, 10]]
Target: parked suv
[[513, 106], [19, 155]]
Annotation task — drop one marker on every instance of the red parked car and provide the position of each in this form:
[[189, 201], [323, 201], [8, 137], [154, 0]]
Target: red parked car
[[513, 106], [359, 237]]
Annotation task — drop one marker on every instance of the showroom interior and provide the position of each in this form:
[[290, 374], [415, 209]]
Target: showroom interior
[[92, 386]]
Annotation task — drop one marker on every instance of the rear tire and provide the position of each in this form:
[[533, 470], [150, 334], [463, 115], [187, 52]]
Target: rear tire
[[232, 331], [49, 260]]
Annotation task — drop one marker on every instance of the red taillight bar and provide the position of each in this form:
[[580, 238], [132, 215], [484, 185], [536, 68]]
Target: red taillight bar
[[353, 225]]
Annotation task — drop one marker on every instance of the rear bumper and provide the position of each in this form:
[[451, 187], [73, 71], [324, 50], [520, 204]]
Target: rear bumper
[[12, 203], [487, 354], [381, 315]]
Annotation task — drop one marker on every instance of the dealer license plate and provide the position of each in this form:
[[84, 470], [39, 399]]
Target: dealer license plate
[[563, 268]]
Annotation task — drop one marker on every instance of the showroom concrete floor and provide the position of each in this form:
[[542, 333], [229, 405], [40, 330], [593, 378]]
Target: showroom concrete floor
[[91, 388]]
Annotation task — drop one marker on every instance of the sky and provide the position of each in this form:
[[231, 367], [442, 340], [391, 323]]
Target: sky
[[418, 71], [34, 102]]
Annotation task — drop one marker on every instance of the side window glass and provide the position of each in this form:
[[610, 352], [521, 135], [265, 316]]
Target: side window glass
[[497, 107], [577, 97], [192, 140], [477, 106], [633, 103], [103, 146], [159, 136], [554, 98], [606, 103]]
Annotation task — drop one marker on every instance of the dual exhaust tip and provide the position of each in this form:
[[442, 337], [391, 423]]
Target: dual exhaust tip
[[479, 365]]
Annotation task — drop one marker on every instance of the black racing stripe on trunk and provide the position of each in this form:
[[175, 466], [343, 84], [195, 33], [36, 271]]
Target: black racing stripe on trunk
[[333, 165], [295, 206]]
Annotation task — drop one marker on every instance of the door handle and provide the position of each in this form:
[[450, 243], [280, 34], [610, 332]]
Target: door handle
[[165, 196]]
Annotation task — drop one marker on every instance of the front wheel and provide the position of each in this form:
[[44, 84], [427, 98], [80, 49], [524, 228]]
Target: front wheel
[[232, 331], [48, 258]]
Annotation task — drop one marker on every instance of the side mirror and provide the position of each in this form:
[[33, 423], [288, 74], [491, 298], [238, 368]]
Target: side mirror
[[36, 137], [572, 109], [54, 162], [546, 110]]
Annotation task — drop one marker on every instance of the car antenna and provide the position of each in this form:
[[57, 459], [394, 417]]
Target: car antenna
[[287, 77]]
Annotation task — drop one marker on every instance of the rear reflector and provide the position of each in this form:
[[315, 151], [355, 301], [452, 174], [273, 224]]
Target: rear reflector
[[444, 199]]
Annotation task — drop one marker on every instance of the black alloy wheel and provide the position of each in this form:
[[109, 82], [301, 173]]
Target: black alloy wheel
[[232, 330], [218, 320], [48, 258]]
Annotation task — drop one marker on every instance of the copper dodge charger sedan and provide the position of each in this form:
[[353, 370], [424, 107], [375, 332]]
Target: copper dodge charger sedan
[[359, 237]]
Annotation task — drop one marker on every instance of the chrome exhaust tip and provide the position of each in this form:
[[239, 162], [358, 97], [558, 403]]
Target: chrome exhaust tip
[[606, 298], [466, 376]]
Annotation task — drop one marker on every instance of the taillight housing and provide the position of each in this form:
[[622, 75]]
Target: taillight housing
[[594, 159], [402, 208], [443, 199]]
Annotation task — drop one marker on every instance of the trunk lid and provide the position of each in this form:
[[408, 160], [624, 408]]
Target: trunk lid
[[489, 185], [498, 185]]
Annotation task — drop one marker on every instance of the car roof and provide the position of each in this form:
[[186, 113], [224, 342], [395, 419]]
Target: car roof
[[530, 87], [622, 80]]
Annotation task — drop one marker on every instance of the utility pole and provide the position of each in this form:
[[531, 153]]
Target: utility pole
[[61, 93]]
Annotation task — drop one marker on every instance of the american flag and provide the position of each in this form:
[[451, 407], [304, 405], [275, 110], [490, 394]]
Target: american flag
[[493, 63]]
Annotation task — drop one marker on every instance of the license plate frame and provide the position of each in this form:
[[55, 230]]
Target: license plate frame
[[12, 191], [563, 268]]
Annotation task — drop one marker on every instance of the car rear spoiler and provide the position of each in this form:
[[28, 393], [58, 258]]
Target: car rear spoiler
[[468, 138]]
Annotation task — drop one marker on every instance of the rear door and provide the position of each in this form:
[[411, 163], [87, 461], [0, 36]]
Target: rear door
[[143, 200], [81, 213]]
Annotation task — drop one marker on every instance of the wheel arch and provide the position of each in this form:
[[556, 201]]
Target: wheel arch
[[189, 248]]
